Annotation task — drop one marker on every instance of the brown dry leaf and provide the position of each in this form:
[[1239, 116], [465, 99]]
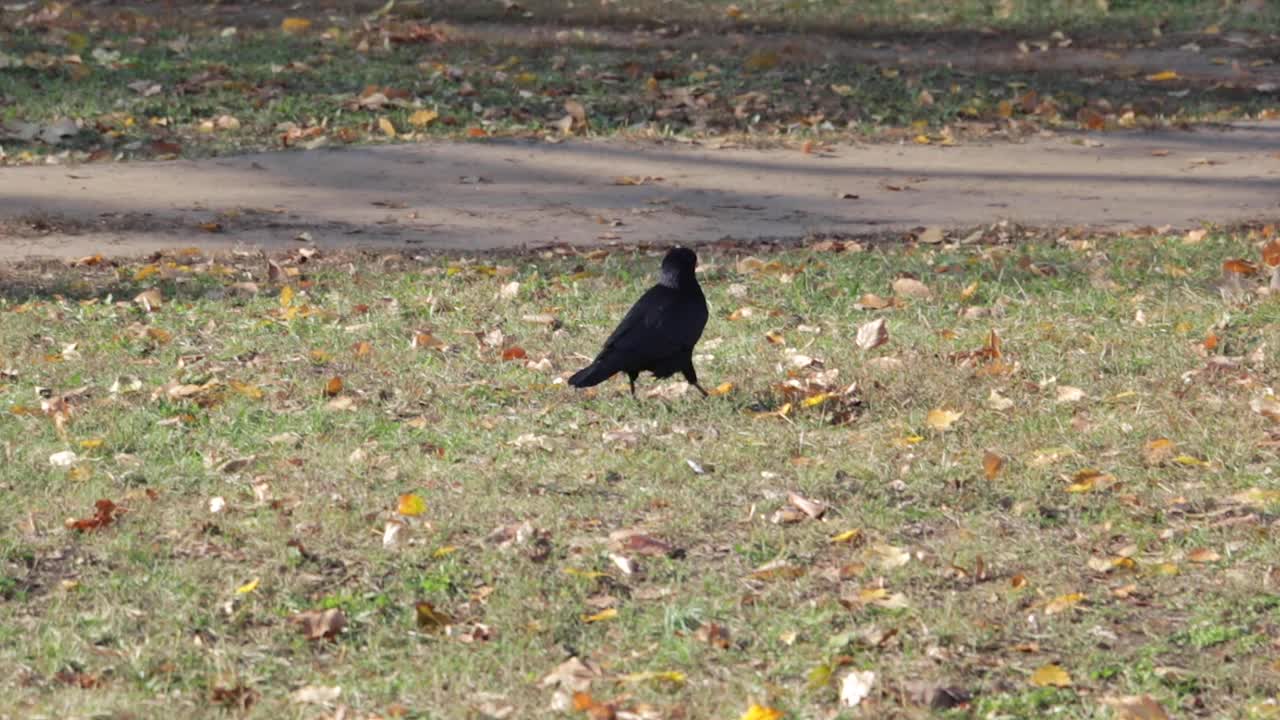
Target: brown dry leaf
[[1155, 452], [1271, 253], [423, 118], [992, 465], [1267, 406], [871, 301], [1069, 394], [813, 509], [1239, 266], [1136, 707], [941, 420], [872, 335], [320, 624], [150, 299], [1086, 480], [104, 514], [911, 288], [1203, 555], [636, 542], [1090, 119], [429, 618], [1051, 676]]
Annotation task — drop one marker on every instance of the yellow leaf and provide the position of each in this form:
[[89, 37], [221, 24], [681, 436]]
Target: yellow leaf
[[922, 140], [1257, 497], [1163, 76], [91, 443], [606, 614], [1190, 461], [76, 42], [847, 536], [1051, 676], [386, 127], [815, 400], [145, 272], [1062, 603], [423, 118], [1167, 569], [761, 712], [286, 296], [969, 290], [252, 392], [722, 389], [908, 441], [671, 677], [445, 550], [765, 60], [295, 25], [429, 618], [819, 677], [577, 572], [248, 587], [940, 420], [411, 505]]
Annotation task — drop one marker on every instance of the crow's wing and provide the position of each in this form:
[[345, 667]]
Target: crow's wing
[[656, 326]]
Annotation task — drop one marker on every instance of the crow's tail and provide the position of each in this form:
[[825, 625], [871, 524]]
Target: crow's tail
[[593, 374]]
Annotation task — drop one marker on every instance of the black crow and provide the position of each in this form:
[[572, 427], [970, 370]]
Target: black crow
[[658, 332]]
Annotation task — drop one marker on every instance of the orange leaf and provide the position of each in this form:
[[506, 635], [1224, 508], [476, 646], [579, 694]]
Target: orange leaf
[[1239, 267], [333, 387], [362, 348], [411, 505], [992, 464], [515, 352], [1271, 253], [476, 132]]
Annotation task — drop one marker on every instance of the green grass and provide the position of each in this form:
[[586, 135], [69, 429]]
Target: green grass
[[1111, 18], [144, 616], [145, 86]]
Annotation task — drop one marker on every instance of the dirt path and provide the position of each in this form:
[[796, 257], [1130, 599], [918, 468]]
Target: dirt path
[[488, 195]]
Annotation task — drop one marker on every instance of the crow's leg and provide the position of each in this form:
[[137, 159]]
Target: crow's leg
[[691, 377], [632, 377]]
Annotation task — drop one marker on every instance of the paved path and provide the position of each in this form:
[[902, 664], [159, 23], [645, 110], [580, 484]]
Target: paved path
[[500, 194]]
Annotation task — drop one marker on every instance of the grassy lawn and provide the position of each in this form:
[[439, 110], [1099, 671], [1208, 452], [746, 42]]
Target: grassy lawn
[[120, 84], [1051, 487]]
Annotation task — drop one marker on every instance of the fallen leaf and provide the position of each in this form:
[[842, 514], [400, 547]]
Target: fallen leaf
[[941, 420], [809, 507], [1051, 676], [104, 514], [295, 25], [1069, 394], [430, 619], [996, 401], [1203, 555], [887, 557], [1136, 707], [248, 587], [872, 335], [1163, 76], [320, 624], [423, 118], [1063, 603], [855, 687], [912, 288], [333, 386], [602, 616], [411, 505], [761, 712], [871, 301], [992, 465]]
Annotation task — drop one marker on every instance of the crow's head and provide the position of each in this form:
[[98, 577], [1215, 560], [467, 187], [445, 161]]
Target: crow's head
[[678, 267]]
